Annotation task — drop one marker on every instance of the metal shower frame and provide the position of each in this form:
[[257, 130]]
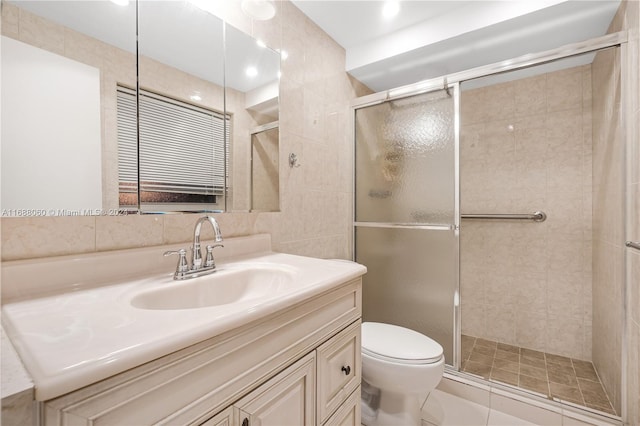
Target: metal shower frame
[[452, 81]]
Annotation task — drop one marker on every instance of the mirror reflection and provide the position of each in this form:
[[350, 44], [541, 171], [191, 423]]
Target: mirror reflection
[[252, 83], [181, 110], [61, 65], [81, 157], [265, 185]]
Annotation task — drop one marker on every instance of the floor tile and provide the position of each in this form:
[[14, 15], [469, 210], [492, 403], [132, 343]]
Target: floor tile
[[504, 376], [586, 372], [531, 353], [508, 348], [562, 378], [593, 393], [497, 418], [538, 373], [564, 392], [444, 409], [524, 411], [481, 358], [484, 350], [503, 364], [567, 379], [486, 343], [557, 359], [507, 355], [533, 384], [561, 369], [477, 368], [533, 362]]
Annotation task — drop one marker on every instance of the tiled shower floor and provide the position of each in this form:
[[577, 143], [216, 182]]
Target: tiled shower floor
[[556, 376]]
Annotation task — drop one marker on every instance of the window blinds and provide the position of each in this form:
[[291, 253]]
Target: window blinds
[[181, 150]]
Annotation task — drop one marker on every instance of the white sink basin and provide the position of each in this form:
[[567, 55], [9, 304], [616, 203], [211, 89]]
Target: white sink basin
[[72, 339], [223, 287]]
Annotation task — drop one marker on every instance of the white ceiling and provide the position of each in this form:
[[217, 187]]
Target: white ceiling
[[433, 38]]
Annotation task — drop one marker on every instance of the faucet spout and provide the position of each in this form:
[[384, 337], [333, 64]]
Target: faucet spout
[[196, 262]]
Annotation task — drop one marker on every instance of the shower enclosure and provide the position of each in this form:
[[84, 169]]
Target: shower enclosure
[[489, 209], [406, 213]]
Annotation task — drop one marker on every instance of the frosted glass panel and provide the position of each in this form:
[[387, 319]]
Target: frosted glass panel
[[405, 160], [406, 177], [411, 280]]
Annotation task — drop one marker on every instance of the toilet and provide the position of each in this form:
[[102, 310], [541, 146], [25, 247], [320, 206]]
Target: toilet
[[400, 367]]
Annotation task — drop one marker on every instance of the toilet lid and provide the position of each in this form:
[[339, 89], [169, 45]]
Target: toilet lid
[[399, 344]]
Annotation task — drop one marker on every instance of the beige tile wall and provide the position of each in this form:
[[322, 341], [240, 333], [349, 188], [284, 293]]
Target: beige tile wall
[[628, 17], [526, 146], [315, 198], [608, 228], [612, 191]]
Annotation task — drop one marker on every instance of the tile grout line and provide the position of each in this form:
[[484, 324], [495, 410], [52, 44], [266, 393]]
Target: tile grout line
[[546, 372]]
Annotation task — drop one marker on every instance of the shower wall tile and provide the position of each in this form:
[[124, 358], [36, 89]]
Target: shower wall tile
[[530, 96], [608, 220], [533, 152], [531, 330], [564, 89]]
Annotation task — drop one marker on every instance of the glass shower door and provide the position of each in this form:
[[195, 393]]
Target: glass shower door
[[406, 214]]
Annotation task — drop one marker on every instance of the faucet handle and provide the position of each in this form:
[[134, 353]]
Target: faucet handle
[[209, 262], [183, 265]]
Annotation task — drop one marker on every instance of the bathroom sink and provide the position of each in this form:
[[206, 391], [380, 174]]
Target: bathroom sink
[[223, 287]]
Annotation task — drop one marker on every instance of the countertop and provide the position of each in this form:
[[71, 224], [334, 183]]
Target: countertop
[[71, 340]]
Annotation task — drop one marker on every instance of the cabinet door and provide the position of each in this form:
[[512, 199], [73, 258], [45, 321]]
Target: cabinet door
[[349, 413], [223, 419], [288, 399], [339, 370]]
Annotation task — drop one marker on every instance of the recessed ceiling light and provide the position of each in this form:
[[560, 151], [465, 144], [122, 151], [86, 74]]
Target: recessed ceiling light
[[121, 2], [261, 10], [390, 9], [195, 97], [251, 72]]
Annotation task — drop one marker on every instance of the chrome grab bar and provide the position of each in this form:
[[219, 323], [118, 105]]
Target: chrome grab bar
[[536, 217], [632, 244]]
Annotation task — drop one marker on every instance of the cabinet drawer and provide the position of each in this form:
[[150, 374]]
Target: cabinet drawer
[[285, 400], [349, 413], [226, 418], [339, 370]]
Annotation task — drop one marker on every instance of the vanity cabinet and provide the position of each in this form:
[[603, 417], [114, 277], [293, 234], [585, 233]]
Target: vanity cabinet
[[297, 366], [287, 399]]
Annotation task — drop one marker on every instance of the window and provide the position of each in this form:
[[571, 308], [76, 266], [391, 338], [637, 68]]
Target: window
[[181, 151]]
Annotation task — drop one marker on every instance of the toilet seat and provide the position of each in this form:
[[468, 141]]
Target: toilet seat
[[398, 344]]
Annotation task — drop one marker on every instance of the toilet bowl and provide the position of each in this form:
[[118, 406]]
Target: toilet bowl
[[400, 367]]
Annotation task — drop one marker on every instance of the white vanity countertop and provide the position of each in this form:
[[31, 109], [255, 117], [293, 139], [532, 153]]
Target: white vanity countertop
[[74, 339], [15, 378]]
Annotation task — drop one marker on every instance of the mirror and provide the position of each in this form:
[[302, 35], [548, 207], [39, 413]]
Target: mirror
[[61, 64], [253, 77], [71, 168], [265, 176], [182, 111]]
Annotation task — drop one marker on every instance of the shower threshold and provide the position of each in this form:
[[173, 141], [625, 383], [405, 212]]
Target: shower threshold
[[558, 377]]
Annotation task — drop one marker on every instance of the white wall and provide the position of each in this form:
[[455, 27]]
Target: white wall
[[50, 121]]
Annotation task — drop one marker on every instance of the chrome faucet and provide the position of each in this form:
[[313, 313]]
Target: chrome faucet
[[183, 270]]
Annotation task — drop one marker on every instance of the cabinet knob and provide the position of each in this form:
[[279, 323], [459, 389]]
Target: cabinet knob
[[346, 370], [245, 422]]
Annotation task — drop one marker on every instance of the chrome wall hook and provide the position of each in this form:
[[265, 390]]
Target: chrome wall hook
[[293, 160]]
